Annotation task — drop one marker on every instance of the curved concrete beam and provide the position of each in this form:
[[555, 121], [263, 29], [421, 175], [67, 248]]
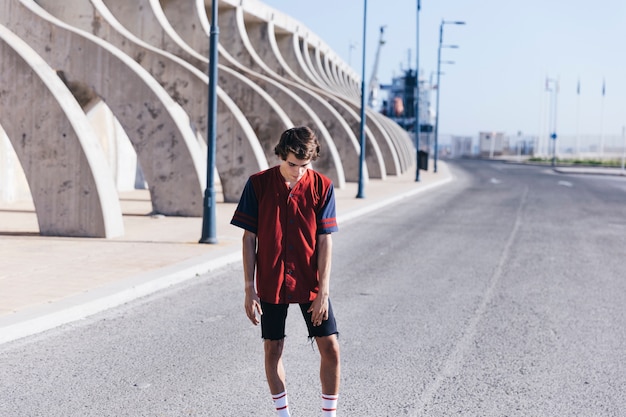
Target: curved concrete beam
[[374, 133], [258, 106], [187, 85], [159, 129], [184, 83], [260, 36], [266, 117], [70, 182], [235, 38], [287, 43], [145, 19], [406, 147]]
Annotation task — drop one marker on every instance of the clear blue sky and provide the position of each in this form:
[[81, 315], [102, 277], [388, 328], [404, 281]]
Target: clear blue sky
[[506, 50]]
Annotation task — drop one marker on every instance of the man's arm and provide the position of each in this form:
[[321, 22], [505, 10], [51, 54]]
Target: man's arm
[[319, 307], [251, 303]]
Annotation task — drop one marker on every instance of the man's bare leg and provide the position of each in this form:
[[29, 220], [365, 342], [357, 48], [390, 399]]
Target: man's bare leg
[[274, 369], [330, 368]]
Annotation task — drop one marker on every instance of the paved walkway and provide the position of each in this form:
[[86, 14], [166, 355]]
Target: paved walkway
[[49, 281]]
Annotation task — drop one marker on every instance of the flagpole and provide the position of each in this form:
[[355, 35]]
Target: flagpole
[[623, 147], [602, 120], [578, 119]]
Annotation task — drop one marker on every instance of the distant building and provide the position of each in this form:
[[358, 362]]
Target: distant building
[[460, 146], [492, 144]]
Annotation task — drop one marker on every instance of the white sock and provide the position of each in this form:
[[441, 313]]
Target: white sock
[[281, 404], [329, 405]]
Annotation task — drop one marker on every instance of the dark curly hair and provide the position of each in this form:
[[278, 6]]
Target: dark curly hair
[[301, 141]]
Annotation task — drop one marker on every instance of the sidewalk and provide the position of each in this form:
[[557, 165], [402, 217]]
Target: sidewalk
[[49, 281]]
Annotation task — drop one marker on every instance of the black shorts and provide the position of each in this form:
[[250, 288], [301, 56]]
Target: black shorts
[[275, 315]]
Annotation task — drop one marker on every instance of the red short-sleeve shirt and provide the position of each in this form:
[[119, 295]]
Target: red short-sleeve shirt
[[287, 223]]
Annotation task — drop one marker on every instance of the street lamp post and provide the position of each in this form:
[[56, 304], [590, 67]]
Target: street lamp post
[[361, 190], [554, 92], [443, 22], [417, 93], [208, 217]]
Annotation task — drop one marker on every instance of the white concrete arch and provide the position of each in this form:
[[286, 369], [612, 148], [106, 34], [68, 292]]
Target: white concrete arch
[[334, 71], [145, 19], [349, 82], [402, 138], [267, 127], [266, 118], [399, 139], [308, 53], [158, 128], [261, 37], [349, 120], [235, 38], [290, 50], [186, 85], [233, 123], [296, 53], [323, 62], [189, 87], [288, 44], [70, 182]]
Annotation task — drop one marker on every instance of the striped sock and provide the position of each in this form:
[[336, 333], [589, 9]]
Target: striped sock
[[329, 405], [281, 404]]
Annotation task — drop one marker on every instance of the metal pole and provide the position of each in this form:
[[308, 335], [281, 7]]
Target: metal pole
[[554, 118], [417, 92], [208, 217], [623, 147], [361, 191], [437, 103]]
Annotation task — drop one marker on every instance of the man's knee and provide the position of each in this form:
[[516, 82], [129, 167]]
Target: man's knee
[[274, 348], [328, 347]]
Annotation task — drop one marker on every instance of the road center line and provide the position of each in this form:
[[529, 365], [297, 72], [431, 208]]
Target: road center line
[[453, 362]]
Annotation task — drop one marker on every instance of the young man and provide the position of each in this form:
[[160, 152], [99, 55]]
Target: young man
[[288, 214]]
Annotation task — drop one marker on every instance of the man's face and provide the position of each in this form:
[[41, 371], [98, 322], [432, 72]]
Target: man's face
[[293, 168]]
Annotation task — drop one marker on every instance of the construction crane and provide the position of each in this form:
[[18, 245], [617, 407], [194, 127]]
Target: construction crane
[[374, 85]]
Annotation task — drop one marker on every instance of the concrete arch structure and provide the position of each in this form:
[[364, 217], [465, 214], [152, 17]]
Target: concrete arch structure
[[267, 118], [262, 40], [70, 183], [375, 161], [274, 65], [147, 60], [258, 105], [186, 84], [235, 38], [158, 128], [392, 164], [298, 109], [374, 133]]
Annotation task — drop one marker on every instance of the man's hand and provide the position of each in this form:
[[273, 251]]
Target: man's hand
[[319, 310], [253, 307]]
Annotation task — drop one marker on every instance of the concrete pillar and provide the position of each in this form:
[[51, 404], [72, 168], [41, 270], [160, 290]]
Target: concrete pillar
[[189, 87], [166, 146], [70, 183]]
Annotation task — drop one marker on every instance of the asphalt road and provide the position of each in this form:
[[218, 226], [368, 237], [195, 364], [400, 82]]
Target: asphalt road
[[501, 294]]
